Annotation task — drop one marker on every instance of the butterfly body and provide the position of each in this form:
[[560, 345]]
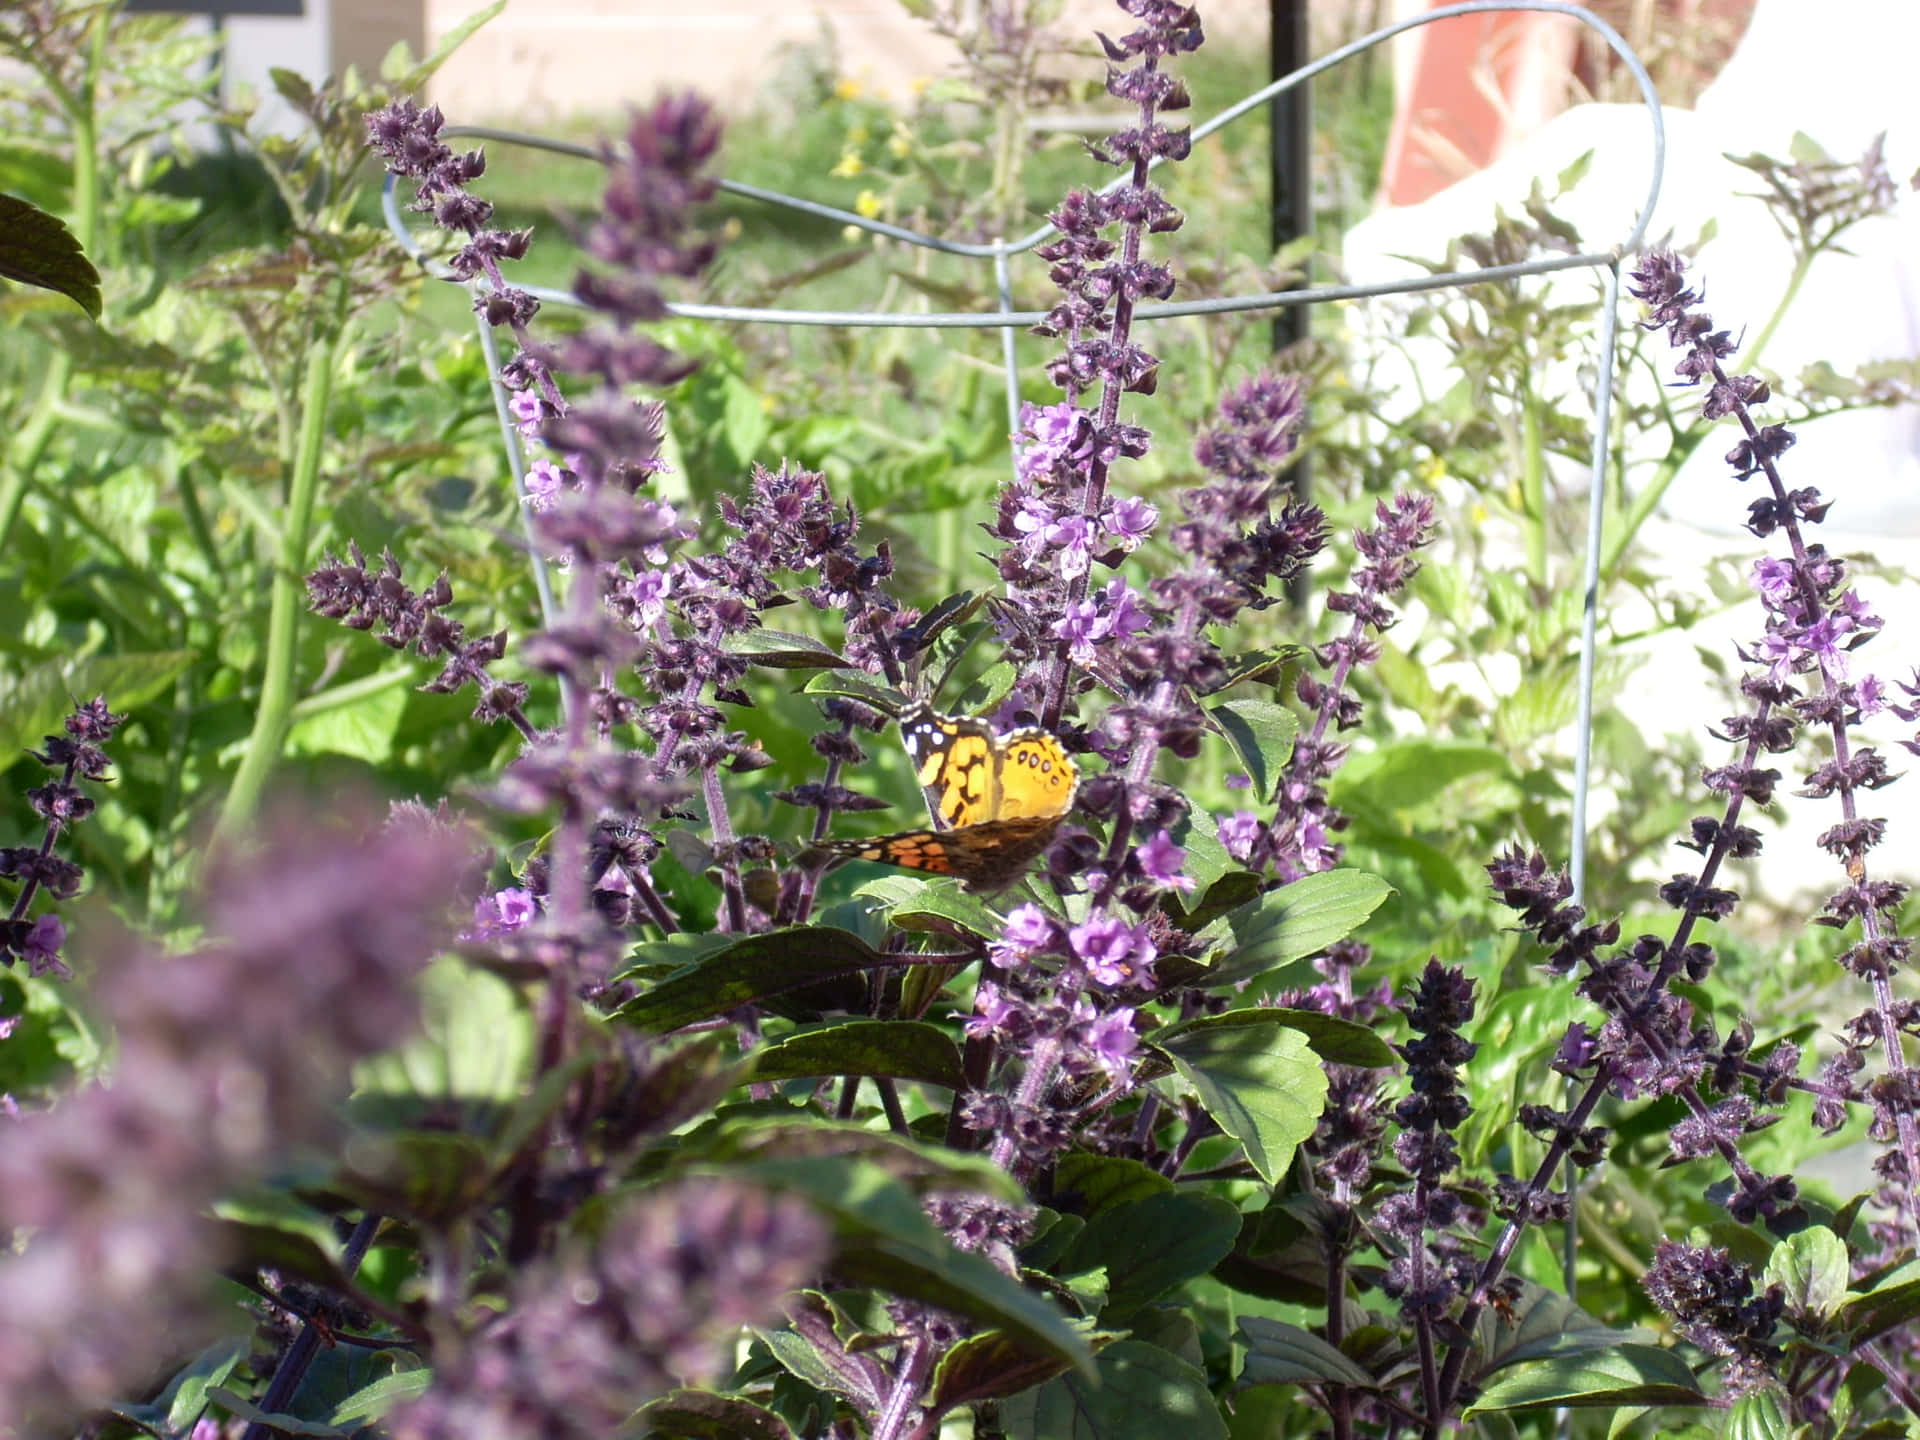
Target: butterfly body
[[997, 798]]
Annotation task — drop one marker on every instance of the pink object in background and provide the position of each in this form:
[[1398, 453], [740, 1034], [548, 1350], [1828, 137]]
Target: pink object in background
[[1470, 88]]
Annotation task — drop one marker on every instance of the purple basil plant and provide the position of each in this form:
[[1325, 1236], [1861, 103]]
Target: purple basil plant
[[786, 1148]]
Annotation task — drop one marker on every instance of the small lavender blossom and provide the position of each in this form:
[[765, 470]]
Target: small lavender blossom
[[60, 803], [502, 913], [1114, 953], [1160, 862]]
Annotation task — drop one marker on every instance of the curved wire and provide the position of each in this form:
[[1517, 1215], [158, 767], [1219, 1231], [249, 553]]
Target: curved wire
[[999, 250]]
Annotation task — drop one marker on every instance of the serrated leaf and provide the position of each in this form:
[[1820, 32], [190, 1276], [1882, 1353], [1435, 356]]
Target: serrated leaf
[[784, 650], [1811, 1266], [1143, 1393], [1261, 735], [1285, 926], [1549, 1324], [884, 1239], [748, 971], [1340, 1042], [702, 1415], [1283, 1354], [37, 249], [185, 1397], [939, 905], [1624, 1375], [1871, 1315], [1087, 1184], [1262, 1084], [1149, 1246], [851, 686], [1256, 665], [371, 1402], [956, 609], [900, 1049], [988, 1366], [273, 1419], [361, 725]]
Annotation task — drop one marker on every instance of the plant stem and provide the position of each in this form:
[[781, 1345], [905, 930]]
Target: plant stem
[[274, 716], [293, 1365]]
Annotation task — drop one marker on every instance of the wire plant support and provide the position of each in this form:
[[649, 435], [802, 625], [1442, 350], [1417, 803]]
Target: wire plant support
[[1001, 253]]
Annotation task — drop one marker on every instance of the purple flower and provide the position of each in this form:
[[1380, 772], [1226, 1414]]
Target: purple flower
[[1240, 832], [1109, 1040], [502, 913], [42, 948], [992, 1010], [1773, 581], [1053, 434], [1028, 931], [1073, 539], [544, 481], [1129, 521], [1160, 861], [1080, 627], [1114, 952]]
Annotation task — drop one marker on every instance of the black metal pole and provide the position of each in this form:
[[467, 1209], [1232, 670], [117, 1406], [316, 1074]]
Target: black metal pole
[[1290, 118]]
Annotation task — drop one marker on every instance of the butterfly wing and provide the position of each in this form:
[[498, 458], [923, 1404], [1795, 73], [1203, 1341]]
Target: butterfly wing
[[1037, 778], [955, 760]]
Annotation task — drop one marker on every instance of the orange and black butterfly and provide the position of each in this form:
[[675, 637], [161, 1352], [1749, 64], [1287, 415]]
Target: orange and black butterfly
[[998, 799]]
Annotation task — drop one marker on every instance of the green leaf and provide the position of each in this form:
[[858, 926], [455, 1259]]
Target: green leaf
[[901, 1049], [884, 1239], [432, 1176], [937, 905], [1086, 1183], [450, 42], [33, 705], [185, 1397], [784, 650], [1337, 1041], [1261, 735], [745, 423], [271, 1228], [359, 720], [748, 971], [1295, 921], [1262, 1084], [474, 1051], [1150, 1246], [273, 1419], [1870, 1315], [1549, 1325], [702, 1415], [1811, 1266], [37, 249], [1256, 665], [1624, 1375], [988, 1366], [372, 1401], [1143, 1393], [1283, 1354], [1759, 1415], [852, 686], [1409, 773]]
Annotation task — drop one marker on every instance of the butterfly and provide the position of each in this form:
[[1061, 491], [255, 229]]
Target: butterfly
[[997, 798]]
